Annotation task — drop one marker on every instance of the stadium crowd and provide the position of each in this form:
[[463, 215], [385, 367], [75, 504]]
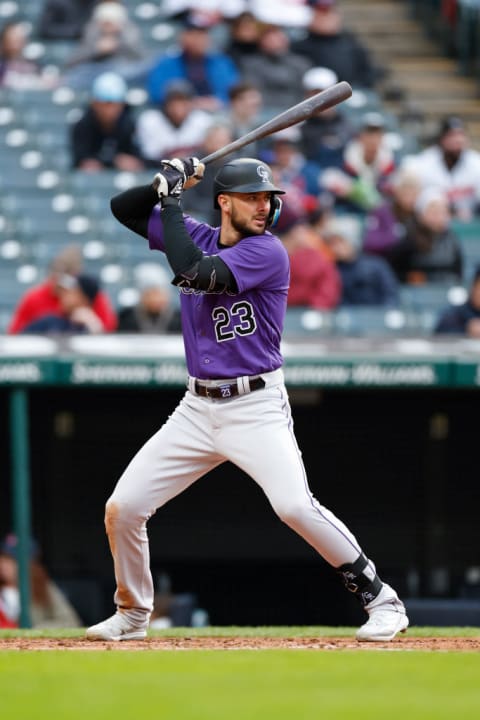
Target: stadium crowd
[[367, 216]]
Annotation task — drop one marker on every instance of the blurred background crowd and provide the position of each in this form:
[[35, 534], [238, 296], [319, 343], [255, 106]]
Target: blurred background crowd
[[382, 214]]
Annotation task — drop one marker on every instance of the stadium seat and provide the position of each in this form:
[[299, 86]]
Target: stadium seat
[[368, 321], [302, 321]]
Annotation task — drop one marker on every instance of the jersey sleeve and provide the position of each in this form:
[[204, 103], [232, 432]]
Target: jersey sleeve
[[258, 261]]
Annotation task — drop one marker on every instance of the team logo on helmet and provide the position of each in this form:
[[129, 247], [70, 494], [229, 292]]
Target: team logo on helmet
[[263, 173]]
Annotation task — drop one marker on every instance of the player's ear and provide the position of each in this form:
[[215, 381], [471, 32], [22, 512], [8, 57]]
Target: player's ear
[[225, 202]]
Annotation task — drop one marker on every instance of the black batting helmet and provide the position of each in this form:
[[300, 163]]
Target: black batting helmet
[[245, 175]]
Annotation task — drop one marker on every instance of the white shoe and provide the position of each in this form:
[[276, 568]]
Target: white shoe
[[117, 627], [387, 617]]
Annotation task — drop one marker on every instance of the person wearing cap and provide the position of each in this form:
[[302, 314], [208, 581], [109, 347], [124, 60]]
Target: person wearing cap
[[275, 69], [368, 163], [175, 127], [44, 299], [328, 44], [368, 155], [452, 165], [104, 137], [211, 72], [462, 319], [324, 134], [76, 294], [154, 313]]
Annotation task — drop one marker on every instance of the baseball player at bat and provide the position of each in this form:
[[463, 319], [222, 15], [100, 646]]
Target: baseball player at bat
[[233, 282]]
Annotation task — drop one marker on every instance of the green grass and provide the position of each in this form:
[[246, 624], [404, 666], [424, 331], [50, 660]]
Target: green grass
[[241, 684], [237, 631]]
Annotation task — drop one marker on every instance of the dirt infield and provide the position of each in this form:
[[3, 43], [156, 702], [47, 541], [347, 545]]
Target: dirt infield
[[441, 644]]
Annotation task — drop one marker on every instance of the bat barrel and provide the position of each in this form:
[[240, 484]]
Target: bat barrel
[[317, 103]]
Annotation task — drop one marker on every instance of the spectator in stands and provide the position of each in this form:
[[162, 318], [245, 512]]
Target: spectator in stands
[[16, 71], [366, 280], [390, 222], [314, 279], [463, 319], [44, 299], [154, 312], [175, 128], [64, 19], [211, 72], [326, 133], [9, 599], [49, 607], [368, 157], [243, 113], [368, 163], [329, 44], [104, 137], [290, 167], [198, 200], [243, 35], [453, 166], [431, 251], [319, 213], [111, 41], [76, 295], [275, 69]]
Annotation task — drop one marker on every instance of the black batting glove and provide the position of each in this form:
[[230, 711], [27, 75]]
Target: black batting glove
[[170, 180]]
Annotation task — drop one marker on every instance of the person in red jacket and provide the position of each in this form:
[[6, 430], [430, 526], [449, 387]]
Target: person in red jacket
[[314, 279], [42, 299]]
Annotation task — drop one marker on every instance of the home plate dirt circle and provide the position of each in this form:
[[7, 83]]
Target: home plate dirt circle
[[442, 644]]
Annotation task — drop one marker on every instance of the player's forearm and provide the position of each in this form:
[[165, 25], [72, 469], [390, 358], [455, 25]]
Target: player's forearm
[[133, 207], [191, 267], [181, 251]]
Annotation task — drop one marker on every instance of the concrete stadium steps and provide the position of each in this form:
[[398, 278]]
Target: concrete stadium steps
[[419, 76]]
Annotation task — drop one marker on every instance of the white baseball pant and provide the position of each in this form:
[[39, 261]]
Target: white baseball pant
[[255, 432]]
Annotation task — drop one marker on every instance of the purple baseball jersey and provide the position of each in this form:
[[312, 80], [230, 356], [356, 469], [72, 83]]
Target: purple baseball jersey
[[227, 334]]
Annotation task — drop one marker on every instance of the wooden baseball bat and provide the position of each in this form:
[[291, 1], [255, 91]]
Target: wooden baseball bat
[[321, 101]]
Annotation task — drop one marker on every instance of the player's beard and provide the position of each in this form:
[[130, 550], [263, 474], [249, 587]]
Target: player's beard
[[244, 228]]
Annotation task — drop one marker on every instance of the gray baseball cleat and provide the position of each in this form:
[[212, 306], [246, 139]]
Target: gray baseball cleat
[[387, 617], [117, 627]]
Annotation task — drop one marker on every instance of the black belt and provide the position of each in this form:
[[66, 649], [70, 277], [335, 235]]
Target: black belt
[[226, 390]]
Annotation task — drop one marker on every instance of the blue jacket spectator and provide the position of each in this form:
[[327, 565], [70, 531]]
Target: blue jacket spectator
[[463, 319], [366, 279], [211, 73]]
